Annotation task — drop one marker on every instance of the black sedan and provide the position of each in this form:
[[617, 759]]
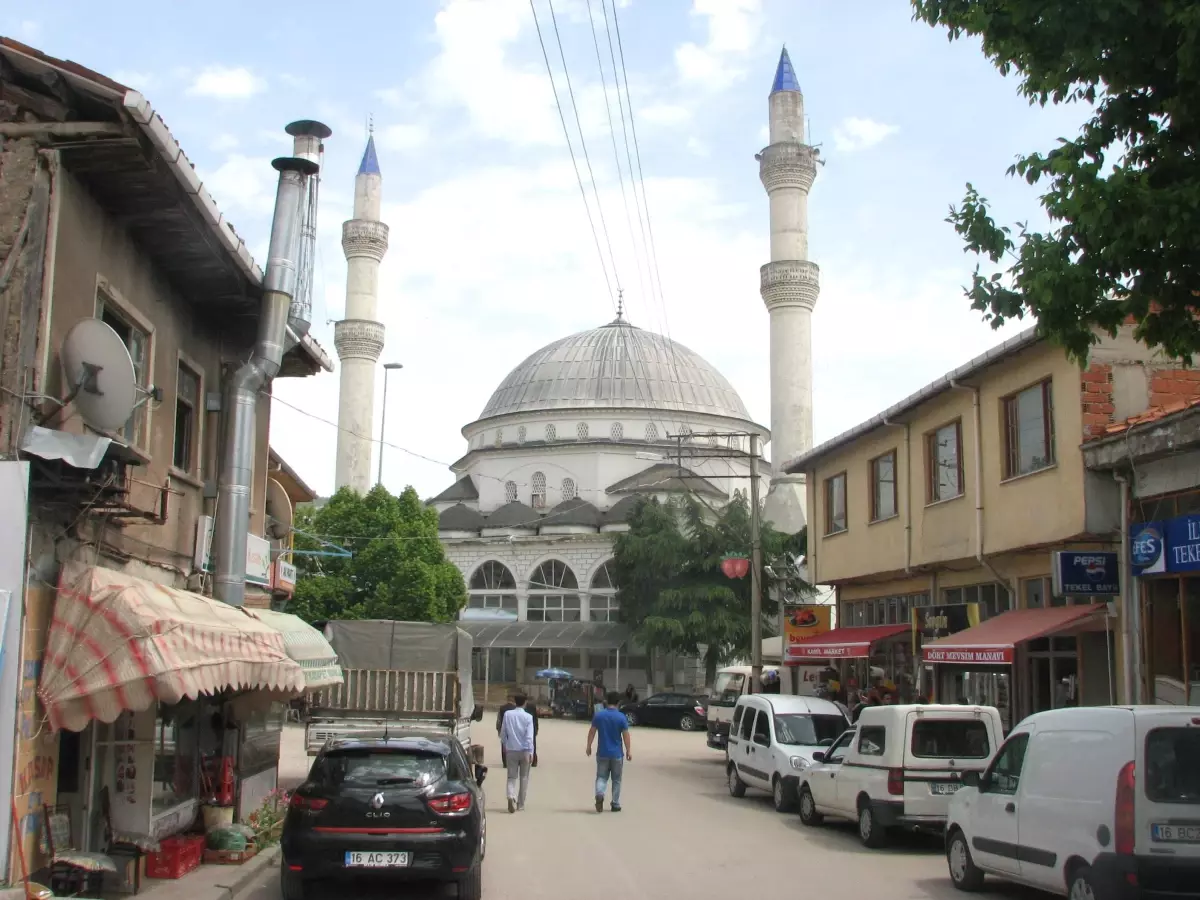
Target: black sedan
[[407, 807], [668, 711]]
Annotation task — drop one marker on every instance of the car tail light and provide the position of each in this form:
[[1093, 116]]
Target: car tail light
[[1124, 813], [314, 804], [896, 782], [451, 804], [700, 710]]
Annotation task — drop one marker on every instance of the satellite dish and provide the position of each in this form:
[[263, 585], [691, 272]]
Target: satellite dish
[[279, 511], [99, 373]]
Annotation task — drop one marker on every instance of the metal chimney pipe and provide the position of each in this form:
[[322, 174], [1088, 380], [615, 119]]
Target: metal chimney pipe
[[280, 283], [307, 144]]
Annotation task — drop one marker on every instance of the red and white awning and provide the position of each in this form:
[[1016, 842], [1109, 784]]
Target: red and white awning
[[841, 643], [993, 642], [118, 642]]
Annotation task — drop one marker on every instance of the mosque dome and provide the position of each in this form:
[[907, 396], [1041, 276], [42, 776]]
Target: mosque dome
[[616, 366]]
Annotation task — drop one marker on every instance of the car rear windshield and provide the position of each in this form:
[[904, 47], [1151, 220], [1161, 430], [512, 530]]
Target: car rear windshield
[[814, 731], [950, 739], [1173, 765], [372, 768], [728, 688]]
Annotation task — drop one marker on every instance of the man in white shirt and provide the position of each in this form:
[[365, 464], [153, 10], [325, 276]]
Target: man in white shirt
[[516, 737]]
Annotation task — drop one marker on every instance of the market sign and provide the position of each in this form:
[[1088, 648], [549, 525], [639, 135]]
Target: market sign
[[1085, 574], [803, 622], [284, 580], [1172, 545]]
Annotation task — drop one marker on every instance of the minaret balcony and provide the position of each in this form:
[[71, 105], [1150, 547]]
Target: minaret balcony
[[362, 237], [787, 165], [789, 283], [358, 339]]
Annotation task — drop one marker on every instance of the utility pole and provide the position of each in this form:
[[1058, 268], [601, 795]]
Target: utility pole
[[755, 571]]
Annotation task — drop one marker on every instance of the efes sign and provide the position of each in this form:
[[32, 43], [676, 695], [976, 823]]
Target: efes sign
[[1172, 545], [1085, 573]]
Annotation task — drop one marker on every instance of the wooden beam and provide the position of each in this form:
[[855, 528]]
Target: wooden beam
[[61, 129], [41, 105]]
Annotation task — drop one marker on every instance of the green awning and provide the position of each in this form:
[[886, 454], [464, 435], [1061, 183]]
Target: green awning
[[306, 646]]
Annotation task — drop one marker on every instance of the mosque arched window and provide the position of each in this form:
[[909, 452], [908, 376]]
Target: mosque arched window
[[510, 492], [492, 586], [568, 489], [712, 438], [521, 435], [651, 432], [499, 436], [553, 593], [602, 595], [581, 431], [617, 431], [551, 434], [539, 490]]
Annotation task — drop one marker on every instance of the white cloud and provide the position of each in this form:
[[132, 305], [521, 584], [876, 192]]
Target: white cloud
[[733, 27], [664, 114], [854, 133], [403, 137], [139, 81], [28, 29], [223, 143], [243, 183], [226, 83], [697, 147]]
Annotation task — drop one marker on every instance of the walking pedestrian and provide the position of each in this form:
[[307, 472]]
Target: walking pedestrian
[[516, 741], [610, 724]]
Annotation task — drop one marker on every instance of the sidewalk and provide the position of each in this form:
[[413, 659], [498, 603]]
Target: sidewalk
[[211, 882]]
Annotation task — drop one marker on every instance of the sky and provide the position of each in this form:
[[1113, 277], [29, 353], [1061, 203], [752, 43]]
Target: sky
[[491, 256]]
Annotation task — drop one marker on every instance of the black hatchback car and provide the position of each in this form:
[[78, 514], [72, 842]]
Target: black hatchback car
[[406, 807]]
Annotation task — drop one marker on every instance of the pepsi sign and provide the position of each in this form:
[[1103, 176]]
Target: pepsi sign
[[1086, 573]]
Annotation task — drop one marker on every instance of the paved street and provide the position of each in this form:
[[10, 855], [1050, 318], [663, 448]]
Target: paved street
[[680, 835]]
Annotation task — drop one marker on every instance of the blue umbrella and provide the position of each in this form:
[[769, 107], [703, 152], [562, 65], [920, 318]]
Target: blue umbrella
[[552, 673]]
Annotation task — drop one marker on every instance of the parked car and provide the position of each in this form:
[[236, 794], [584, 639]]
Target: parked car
[[773, 736], [899, 766], [1089, 802], [405, 807], [667, 710]]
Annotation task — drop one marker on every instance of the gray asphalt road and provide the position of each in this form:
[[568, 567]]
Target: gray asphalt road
[[680, 835]]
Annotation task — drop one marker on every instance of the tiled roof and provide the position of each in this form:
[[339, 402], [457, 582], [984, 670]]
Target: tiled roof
[[1154, 414]]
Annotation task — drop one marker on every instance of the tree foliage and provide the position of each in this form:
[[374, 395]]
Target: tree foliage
[[398, 567], [672, 591], [1123, 196]]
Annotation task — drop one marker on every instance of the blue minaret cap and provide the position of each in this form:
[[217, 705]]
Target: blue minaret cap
[[370, 162], [785, 75]]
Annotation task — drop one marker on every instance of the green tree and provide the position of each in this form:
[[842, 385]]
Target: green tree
[[671, 589], [397, 568], [1123, 197]]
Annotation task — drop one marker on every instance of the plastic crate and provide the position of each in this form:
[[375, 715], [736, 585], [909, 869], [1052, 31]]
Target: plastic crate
[[179, 855]]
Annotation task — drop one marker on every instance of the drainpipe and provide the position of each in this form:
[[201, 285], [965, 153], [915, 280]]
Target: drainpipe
[[1130, 650], [296, 173]]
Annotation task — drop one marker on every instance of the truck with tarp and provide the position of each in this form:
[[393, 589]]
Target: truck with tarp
[[396, 675]]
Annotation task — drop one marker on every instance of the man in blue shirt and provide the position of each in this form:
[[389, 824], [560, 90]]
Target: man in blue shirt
[[610, 757], [516, 739]]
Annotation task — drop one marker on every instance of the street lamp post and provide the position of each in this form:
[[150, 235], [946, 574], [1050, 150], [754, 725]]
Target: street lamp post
[[387, 370]]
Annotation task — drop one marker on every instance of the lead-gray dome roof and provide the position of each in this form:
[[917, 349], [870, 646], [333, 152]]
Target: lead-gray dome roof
[[616, 365]]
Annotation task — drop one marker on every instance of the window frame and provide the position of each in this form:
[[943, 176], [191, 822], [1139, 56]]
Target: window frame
[[109, 300], [830, 530], [1011, 426], [876, 482], [195, 459], [863, 736], [988, 781], [933, 465]]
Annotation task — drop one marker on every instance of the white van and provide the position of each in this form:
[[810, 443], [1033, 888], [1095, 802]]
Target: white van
[[1096, 802], [734, 681], [898, 766], [774, 736]]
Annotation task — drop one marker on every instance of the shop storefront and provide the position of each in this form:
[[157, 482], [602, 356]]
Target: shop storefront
[[1025, 661], [863, 655]]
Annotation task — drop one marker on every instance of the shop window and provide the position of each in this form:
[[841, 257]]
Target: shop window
[[952, 596], [835, 504], [943, 460], [175, 745], [883, 487], [871, 740], [1037, 592], [1029, 430]]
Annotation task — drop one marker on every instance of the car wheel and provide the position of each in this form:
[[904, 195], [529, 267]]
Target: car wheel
[[1082, 885], [779, 793], [291, 884], [737, 787], [808, 808], [470, 886], [963, 871], [870, 832], [687, 723], [631, 718]]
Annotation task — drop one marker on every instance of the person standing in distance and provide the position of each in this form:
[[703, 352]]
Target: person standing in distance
[[610, 724], [516, 739]]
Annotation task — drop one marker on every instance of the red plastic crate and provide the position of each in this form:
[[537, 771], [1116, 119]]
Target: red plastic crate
[[179, 855]]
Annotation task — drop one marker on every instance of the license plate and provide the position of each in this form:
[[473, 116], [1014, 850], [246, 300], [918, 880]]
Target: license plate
[[377, 859], [949, 787], [1175, 834]]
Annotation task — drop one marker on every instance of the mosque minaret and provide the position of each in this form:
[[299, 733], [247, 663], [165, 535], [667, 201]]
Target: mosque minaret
[[359, 337], [789, 288]]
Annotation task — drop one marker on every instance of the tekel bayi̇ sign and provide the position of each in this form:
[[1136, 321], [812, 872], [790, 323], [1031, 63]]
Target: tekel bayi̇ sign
[[1080, 573]]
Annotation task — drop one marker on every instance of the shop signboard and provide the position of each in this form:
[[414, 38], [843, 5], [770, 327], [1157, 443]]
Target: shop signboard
[[285, 577], [1077, 573], [258, 552], [933, 622], [1171, 545], [802, 622]]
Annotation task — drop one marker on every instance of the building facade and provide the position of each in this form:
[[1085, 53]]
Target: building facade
[[942, 513], [554, 464]]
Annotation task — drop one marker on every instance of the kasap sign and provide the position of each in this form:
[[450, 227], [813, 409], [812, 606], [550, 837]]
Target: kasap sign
[[1089, 573]]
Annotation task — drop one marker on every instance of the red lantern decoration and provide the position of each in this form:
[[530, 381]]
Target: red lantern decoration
[[735, 566]]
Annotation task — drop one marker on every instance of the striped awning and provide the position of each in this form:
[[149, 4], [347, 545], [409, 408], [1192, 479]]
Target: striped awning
[[307, 646], [118, 642]]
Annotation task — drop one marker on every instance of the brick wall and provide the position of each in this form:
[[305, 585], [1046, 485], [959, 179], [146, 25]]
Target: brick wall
[[1169, 386], [1166, 387], [1096, 398]]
